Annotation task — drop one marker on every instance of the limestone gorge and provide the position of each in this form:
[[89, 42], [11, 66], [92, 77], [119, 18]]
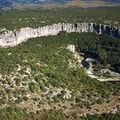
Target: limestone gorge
[[61, 64], [13, 38]]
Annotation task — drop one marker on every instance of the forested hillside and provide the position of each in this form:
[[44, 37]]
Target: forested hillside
[[54, 77]]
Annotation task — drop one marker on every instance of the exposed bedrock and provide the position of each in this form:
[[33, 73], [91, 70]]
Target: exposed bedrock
[[13, 38]]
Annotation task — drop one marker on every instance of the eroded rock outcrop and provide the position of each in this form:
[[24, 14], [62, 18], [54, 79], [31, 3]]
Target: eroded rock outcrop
[[13, 38]]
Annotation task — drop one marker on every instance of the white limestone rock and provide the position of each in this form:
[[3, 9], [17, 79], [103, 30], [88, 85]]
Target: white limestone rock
[[13, 38]]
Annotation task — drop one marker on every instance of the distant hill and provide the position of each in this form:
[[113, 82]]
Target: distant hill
[[112, 1], [9, 3]]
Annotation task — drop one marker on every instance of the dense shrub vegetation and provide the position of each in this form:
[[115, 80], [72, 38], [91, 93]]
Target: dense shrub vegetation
[[18, 114], [53, 69], [32, 73], [106, 49]]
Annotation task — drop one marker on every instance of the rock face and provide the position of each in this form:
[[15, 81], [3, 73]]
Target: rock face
[[13, 38]]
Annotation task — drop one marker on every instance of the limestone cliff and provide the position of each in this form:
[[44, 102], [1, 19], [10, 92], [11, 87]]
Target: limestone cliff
[[13, 38]]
